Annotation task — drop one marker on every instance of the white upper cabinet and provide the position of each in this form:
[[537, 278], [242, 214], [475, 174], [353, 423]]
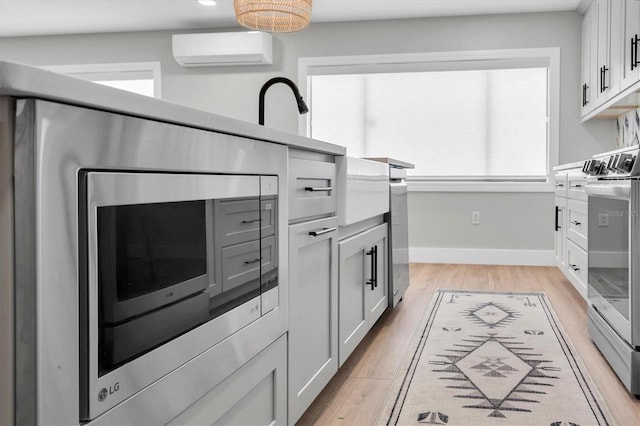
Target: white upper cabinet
[[610, 73], [607, 48], [588, 61], [631, 32]]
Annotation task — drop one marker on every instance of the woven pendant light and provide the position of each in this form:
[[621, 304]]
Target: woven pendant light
[[276, 16]]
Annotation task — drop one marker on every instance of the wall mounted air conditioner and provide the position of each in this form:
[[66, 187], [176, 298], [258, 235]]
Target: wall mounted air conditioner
[[220, 49]]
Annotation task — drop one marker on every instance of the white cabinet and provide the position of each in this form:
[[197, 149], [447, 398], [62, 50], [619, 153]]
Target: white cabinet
[[363, 286], [313, 310], [609, 30], [256, 394], [630, 73], [560, 232], [576, 236], [589, 86], [313, 278], [608, 44], [571, 225]]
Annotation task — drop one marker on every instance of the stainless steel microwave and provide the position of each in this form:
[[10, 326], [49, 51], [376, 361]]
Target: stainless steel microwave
[[170, 265]]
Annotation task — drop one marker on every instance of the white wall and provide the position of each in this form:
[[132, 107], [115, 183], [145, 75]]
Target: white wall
[[437, 220]]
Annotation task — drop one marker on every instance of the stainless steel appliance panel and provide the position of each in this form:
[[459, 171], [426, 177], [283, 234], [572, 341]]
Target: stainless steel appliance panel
[[614, 279], [7, 368], [623, 359], [399, 238], [53, 142]]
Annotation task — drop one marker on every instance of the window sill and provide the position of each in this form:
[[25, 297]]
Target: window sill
[[439, 186]]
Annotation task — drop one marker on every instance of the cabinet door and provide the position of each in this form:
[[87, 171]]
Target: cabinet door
[[560, 232], [602, 48], [376, 296], [588, 87], [313, 311], [364, 292], [607, 49], [256, 394], [352, 308], [629, 68]]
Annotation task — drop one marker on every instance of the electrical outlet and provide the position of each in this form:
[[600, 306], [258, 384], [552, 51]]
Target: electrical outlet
[[475, 218], [603, 220]]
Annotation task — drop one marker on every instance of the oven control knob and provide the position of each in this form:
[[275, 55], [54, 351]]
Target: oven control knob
[[592, 167], [602, 168], [626, 163]]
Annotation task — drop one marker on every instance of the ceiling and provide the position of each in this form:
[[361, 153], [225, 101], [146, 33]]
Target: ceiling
[[48, 17]]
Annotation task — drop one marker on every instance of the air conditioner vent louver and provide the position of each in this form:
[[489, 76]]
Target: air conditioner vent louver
[[222, 49]]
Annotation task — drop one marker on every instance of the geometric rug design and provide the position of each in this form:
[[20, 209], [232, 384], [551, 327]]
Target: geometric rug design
[[490, 358]]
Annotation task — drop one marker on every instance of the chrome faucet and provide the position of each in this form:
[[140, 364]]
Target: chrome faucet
[[302, 107]]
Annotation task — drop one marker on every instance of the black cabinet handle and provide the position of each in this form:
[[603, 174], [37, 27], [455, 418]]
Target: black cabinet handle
[[574, 267], [585, 88], [557, 214], [603, 78], [373, 253], [632, 55], [248, 262], [251, 220], [323, 231], [575, 222], [318, 189]]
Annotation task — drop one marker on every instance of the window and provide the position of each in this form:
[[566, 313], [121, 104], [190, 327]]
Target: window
[[138, 77], [480, 120]]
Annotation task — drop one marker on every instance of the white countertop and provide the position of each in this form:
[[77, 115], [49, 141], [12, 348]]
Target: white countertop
[[18, 80], [568, 166], [393, 162]]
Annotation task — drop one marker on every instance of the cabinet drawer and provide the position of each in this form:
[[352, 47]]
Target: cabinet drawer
[[577, 267], [240, 264], [312, 191], [561, 184], [577, 223], [576, 188], [238, 221]]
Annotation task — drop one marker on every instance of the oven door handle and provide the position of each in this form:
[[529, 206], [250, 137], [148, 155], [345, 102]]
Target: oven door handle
[[620, 189]]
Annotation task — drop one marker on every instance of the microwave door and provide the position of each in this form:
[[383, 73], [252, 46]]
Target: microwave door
[[150, 250]]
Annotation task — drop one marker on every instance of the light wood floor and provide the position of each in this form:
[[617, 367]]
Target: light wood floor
[[356, 393]]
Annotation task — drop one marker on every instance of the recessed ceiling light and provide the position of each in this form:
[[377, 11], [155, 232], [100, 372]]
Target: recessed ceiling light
[[207, 2]]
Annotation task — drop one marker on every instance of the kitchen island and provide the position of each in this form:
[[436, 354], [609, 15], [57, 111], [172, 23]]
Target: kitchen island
[[62, 141]]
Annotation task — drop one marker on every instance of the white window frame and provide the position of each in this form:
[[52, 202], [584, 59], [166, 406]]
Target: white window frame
[[359, 64], [114, 71]]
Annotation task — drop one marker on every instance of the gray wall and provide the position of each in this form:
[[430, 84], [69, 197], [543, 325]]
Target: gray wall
[[436, 219]]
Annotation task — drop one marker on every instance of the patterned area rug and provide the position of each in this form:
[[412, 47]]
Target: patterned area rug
[[486, 358]]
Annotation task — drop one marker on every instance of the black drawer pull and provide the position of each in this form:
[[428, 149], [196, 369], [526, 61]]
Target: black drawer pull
[[251, 220], [318, 189], [249, 262], [574, 267], [575, 222], [576, 186], [322, 232]]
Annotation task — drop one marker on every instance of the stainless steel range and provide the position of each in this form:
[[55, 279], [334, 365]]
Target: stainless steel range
[[613, 291]]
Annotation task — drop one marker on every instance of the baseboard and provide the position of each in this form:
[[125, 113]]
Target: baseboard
[[482, 256]]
